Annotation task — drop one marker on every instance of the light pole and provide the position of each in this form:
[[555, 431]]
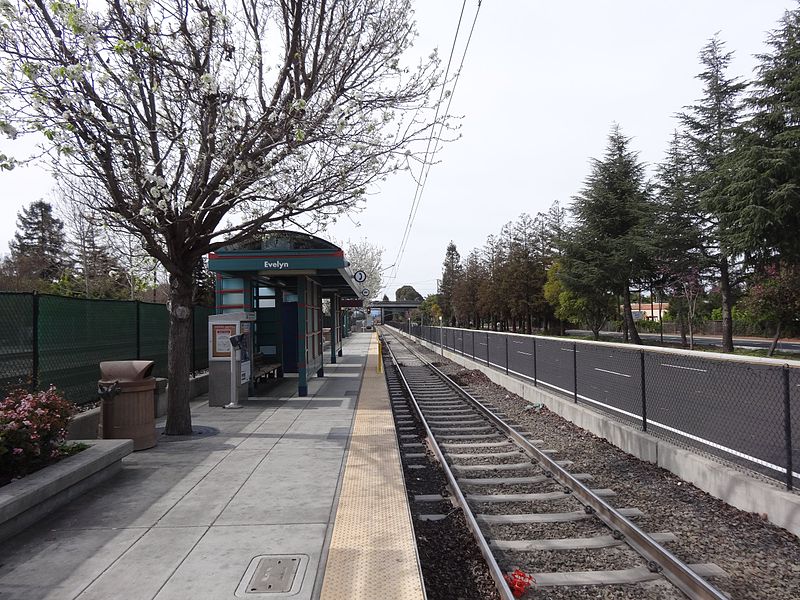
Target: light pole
[[441, 334]]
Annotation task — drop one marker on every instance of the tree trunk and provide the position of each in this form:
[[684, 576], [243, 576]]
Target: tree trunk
[[727, 304], [629, 318], [682, 321], [179, 416], [595, 333], [774, 343]]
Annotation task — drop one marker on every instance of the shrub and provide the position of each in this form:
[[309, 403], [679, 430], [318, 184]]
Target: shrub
[[32, 431]]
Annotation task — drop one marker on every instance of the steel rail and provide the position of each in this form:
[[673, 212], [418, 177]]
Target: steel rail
[[659, 558], [457, 495]]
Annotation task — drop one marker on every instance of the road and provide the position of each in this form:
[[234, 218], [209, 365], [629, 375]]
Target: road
[[705, 340]]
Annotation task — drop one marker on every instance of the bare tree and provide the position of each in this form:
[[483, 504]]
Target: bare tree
[[202, 121]]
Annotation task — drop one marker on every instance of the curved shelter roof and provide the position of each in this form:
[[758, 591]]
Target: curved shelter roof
[[279, 256]]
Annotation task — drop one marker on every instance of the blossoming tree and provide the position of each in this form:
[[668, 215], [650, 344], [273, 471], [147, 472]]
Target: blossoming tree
[[196, 122]]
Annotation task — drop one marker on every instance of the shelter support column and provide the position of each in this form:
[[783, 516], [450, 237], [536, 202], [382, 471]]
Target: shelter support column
[[340, 321], [302, 312], [334, 327], [320, 342]]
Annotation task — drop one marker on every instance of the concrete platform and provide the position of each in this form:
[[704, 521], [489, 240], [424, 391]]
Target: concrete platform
[[187, 518]]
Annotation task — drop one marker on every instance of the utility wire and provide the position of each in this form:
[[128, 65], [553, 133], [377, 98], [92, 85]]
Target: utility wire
[[447, 112], [423, 172]]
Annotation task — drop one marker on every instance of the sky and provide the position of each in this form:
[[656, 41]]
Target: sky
[[541, 86]]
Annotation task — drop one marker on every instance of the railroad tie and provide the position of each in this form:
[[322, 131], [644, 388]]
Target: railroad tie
[[635, 575]]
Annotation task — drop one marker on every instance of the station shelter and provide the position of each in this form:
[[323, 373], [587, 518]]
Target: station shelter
[[282, 277]]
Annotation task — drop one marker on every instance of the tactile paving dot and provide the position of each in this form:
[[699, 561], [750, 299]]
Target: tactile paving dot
[[373, 537]]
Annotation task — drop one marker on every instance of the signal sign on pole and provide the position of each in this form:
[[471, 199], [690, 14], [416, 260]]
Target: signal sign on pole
[[365, 293], [360, 276]]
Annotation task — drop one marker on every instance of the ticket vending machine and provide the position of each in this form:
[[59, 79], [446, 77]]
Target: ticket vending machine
[[221, 328]]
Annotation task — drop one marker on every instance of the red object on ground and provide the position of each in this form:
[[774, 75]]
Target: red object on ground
[[519, 582]]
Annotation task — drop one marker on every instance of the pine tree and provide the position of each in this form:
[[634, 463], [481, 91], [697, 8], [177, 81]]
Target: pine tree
[[465, 294], [710, 125], [681, 262], [450, 274], [762, 215], [38, 249], [407, 293], [611, 243]]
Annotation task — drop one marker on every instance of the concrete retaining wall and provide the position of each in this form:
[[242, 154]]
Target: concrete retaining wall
[[84, 425], [734, 487], [24, 501]]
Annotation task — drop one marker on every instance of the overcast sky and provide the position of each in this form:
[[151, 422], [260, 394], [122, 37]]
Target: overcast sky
[[541, 86]]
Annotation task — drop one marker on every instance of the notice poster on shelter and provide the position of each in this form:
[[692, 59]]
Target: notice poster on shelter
[[220, 339]]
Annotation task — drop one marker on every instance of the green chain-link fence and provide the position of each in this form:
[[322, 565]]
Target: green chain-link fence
[[61, 341]]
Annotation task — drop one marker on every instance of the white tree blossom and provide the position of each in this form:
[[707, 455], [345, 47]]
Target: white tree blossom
[[195, 122]]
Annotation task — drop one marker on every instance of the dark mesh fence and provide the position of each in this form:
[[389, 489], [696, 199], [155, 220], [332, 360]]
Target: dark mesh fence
[[75, 335], [153, 335], [609, 378], [200, 343], [16, 340], [61, 341], [745, 411]]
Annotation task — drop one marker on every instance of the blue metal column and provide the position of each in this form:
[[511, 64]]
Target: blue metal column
[[302, 378], [340, 321], [318, 320], [334, 326]]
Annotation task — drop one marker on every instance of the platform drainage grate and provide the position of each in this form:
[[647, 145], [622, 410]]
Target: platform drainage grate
[[273, 574]]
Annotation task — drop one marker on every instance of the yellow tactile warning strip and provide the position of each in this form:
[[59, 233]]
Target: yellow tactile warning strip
[[372, 552]]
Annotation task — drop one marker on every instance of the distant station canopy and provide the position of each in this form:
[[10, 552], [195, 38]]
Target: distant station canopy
[[282, 277]]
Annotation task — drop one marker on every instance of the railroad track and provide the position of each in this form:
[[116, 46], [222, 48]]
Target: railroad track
[[520, 502]]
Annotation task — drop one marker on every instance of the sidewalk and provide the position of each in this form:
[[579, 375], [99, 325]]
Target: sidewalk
[[189, 518]]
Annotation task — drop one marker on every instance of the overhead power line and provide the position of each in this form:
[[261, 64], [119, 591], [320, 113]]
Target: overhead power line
[[426, 163]]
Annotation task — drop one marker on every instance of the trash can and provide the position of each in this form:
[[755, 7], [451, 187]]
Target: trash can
[[128, 395]]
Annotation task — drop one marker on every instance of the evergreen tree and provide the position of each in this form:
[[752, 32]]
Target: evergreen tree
[[407, 293], [465, 294], [450, 274], [611, 243], [710, 125], [491, 302], [762, 215], [681, 261], [38, 250]]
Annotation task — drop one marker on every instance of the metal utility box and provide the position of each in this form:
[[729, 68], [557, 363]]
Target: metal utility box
[[128, 397], [220, 329]]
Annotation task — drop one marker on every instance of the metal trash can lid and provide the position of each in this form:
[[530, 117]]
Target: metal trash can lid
[[126, 370]]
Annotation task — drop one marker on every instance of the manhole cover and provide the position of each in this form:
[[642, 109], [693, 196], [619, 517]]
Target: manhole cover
[[198, 432], [273, 574]]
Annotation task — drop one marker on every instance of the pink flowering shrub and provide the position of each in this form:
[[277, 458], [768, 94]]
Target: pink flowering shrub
[[32, 431]]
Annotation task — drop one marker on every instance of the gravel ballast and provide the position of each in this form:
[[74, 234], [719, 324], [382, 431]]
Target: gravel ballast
[[761, 560]]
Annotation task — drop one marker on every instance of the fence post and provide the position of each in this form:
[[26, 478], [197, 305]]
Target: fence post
[[487, 349], [535, 378], [473, 347], [787, 427], [575, 371], [35, 343], [506, 354], [463, 331], [138, 331], [644, 392]]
